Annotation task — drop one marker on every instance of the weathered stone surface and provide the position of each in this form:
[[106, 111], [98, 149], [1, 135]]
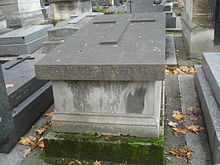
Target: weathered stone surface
[[20, 13], [210, 112], [127, 50], [6, 122], [170, 20], [111, 108], [145, 6], [24, 35], [170, 50], [62, 9], [23, 78], [211, 67]]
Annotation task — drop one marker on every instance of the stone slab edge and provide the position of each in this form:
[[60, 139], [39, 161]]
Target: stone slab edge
[[170, 50], [27, 113], [212, 75], [210, 111]]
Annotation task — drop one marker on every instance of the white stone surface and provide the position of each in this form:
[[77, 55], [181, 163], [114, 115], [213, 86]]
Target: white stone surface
[[110, 108]]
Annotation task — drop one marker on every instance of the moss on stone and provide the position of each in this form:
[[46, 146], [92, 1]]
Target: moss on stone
[[105, 148]]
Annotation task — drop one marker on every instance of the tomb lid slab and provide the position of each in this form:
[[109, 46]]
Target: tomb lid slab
[[122, 47], [24, 35]]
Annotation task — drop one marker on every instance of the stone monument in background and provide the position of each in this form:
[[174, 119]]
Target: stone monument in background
[[20, 13], [199, 27], [63, 9]]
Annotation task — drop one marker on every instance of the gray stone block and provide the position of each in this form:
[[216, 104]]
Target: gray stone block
[[170, 20], [6, 122], [211, 67], [18, 49], [210, 111], [170, 50], [144, 6], [24, 35], [126, 51], [109, 108], [23, 78]]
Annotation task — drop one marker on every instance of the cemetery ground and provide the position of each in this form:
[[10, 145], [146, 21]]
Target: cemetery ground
[[185, 137]]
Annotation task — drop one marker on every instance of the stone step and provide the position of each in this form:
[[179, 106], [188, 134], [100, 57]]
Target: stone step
[[211, 113], [211, 67]]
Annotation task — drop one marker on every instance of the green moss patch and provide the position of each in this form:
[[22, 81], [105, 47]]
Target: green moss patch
[[105, 148]]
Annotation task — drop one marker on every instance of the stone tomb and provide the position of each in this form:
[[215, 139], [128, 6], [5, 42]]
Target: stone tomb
[[21, 13], [27, 97], [23, 41], [207, 81], [63, 9], [107, 77]]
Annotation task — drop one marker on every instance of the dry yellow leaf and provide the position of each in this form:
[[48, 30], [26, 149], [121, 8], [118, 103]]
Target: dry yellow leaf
[[194, 128], [97, 163], [78, 162], [9, 85], [193, 109], [177, 115], [193, 118], [27, 141], [180, 130], [172, 124]]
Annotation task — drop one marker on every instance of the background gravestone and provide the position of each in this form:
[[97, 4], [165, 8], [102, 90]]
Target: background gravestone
[[20, 13], [6, 122]]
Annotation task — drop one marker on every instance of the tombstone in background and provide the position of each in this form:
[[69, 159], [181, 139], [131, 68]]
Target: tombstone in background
[[207, 82], [62, 9], [145, 6], [3, 24], [23, 41], [199, 27], [28, 98], [20, 13], [109, 72]]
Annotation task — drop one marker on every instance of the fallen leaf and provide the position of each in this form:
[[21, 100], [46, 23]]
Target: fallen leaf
[[49, 114], [97, 163], [177, 115], [193, 118], [40, 143], [27, 141], [27, 151], [194, 128], [176, 134], [9, 85], [172, 124], [41, 130], [78, 162], [71, 163], [183, 152], [169, 158], [193, 109], [180, 130]]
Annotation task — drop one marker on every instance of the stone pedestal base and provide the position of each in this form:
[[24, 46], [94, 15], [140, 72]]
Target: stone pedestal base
[[22, 13], [108, 108], [199, 40], [64, 9]]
